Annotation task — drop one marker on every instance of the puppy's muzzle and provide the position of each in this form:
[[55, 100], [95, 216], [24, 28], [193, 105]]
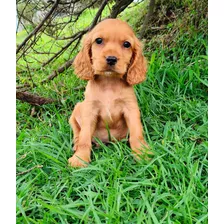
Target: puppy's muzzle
[[111, 60]]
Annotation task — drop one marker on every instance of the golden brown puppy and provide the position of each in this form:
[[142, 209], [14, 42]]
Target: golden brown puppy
[[111, 60]]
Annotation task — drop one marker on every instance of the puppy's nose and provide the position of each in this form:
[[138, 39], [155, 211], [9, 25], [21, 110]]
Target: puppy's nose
[[111, 60]]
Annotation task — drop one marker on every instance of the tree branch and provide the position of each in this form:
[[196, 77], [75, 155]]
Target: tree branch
[[98, 14], [35, 31], [33, 99], [77, 36], [148, 18], [119, 7], [58, 71]]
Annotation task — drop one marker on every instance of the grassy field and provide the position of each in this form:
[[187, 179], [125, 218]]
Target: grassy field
[[171, 188]]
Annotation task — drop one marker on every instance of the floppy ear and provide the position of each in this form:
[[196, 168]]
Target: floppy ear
[[137, 70], [82, 62]]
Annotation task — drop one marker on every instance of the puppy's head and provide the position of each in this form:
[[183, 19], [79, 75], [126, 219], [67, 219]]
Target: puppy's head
[[111, 49]]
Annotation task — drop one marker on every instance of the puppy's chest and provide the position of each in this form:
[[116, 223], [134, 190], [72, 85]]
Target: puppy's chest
[[110, 112]]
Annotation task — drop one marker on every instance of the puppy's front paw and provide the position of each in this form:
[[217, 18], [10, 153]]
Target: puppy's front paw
[[79, 160], [141, 150]]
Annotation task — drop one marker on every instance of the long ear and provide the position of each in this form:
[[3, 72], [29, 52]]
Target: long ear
[[137, 70], [82, 62]]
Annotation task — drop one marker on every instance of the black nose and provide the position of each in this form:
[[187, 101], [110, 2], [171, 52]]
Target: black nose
[[111, 60]]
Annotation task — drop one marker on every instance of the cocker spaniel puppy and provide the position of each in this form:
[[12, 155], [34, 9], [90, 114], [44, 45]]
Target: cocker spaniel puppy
[[111, 60]]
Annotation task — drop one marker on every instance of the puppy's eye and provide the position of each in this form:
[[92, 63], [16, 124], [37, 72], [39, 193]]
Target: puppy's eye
[[99, 40], [126, 44]]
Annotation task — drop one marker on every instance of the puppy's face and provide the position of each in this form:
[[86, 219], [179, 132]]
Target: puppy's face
[[112, 47]]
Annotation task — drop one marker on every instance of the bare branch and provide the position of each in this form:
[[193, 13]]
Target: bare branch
[[78, 35], [23, 86], [148, 18], [33, 99], [58, 71], [119, 7], [27, 171], [39, 26], [98, 14]]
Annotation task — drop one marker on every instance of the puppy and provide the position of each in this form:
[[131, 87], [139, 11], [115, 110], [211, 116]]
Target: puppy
[[111, 60]]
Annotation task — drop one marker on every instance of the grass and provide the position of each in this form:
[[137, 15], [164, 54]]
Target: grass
[[171, 188]]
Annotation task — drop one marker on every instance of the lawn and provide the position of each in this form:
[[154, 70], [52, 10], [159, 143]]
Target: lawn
[[114, 188]]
